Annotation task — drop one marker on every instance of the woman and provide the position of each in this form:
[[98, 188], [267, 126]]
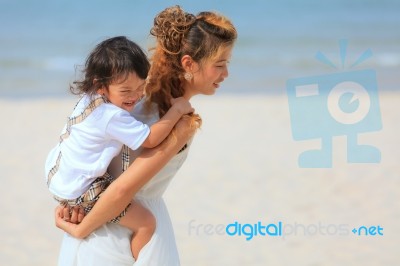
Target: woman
[[191, 57]]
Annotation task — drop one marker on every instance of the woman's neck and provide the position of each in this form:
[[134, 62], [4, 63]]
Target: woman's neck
[[189, 93]]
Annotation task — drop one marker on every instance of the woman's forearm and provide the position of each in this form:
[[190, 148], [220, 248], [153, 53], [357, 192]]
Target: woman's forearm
[[120, 193]]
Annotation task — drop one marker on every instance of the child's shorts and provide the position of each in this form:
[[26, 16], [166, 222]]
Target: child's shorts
[[90, 197]]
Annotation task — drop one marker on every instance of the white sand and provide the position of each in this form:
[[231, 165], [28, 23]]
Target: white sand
[[242, 167]]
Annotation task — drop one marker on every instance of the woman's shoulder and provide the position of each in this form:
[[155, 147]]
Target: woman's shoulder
[[145, 113]]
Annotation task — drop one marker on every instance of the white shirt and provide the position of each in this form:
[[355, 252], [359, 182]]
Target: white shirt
[[90, 147]]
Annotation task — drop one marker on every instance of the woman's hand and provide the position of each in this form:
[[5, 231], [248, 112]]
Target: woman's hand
[[69, 222]]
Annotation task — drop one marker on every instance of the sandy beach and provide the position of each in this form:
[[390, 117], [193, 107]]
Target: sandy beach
[[242, 169]]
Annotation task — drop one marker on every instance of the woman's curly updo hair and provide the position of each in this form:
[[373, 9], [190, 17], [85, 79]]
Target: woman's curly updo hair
[[179, 33], [170, 27]]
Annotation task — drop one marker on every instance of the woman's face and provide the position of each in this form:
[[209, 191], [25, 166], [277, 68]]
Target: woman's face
[[208, 76], [125, 92]]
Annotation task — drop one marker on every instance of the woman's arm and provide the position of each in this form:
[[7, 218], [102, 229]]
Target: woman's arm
[[120, 192]]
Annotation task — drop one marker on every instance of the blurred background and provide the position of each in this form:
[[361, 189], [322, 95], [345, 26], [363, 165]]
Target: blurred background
[[41, 42]]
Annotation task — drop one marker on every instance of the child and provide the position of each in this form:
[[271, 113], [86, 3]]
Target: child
[[101, 125]]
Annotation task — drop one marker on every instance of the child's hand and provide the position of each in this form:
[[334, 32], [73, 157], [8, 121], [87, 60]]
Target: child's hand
[[182, 105], [73, 215]]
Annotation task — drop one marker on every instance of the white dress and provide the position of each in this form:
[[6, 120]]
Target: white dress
[[110, 244]]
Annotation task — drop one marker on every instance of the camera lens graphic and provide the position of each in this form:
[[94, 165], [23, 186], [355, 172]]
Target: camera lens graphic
[[348, 102], [336, 104]]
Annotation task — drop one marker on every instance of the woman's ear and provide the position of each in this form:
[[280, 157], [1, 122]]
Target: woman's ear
[[188, 64]]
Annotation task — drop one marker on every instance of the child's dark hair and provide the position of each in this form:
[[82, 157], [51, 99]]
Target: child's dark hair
[[111, 59]]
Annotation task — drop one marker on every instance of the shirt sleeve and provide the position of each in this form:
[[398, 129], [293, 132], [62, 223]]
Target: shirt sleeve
[[126, 129]]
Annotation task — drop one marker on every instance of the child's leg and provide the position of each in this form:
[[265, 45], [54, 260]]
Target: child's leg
[[143, 224]]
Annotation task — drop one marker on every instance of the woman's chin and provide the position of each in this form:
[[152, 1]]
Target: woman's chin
[[211, 91]]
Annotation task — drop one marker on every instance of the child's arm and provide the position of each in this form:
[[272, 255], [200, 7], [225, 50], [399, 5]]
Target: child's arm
[[120, 192], [161, 129]]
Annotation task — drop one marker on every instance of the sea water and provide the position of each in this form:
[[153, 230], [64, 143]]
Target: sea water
[[43, 44]]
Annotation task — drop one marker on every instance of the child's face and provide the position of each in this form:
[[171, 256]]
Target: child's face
[[124, 93], [211, 73]]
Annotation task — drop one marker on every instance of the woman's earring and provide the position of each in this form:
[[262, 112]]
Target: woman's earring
[[188, 76]]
